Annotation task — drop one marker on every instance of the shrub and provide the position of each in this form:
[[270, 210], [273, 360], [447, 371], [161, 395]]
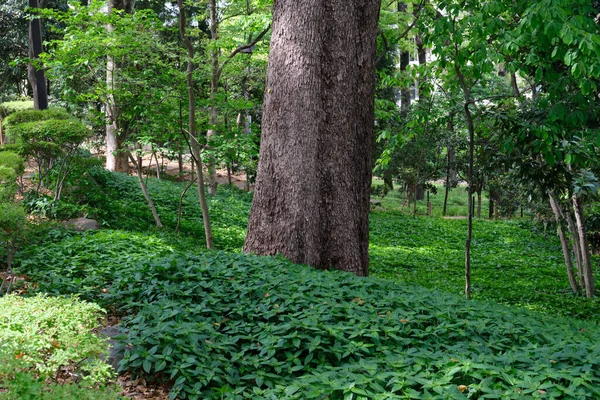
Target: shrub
[[29, 115], [48, 333], [50, 137], [12, 160], [8, 183]]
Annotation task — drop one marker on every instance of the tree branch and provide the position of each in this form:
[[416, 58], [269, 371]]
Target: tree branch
[[242, 48]]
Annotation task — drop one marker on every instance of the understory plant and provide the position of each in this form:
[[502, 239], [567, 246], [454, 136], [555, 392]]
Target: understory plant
[[235, 326], [47, 337]]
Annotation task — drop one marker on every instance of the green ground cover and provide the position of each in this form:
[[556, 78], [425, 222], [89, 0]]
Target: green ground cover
[[395, 200], [226, 325]]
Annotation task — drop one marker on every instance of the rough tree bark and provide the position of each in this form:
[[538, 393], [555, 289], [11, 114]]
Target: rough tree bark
[[116, 158], [311, 201]]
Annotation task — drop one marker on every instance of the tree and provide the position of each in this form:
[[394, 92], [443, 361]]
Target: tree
[[311, 199], [116, 159], [36, 74], [194, 146]]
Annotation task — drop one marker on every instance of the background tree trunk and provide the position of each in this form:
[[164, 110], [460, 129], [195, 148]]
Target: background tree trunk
[[311, 201], [36, 77], [194, 146], [214, 84], [116, 157]]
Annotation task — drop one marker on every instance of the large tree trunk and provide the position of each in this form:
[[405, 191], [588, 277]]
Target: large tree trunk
[[311, 201], [116, 156]]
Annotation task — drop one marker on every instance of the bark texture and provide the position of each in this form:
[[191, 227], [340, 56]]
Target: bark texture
[[311, 201]]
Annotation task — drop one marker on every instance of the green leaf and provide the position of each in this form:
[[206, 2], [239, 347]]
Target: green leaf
[[147, 365]]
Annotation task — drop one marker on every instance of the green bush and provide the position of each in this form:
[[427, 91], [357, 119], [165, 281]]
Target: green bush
[[26, 386], [26, 115], [10, 107], [12, 220], [46, 207], [14, 147], [8, 183], [12, 160], [51, 138], [48, 333]]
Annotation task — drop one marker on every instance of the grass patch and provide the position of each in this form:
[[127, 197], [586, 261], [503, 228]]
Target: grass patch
[[118, 203], [457, 205], [510, 265]]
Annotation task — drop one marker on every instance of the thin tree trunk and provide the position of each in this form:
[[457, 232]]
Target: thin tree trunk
[[214, 84], [588, 277], [575, 244], [471, 126], [180, 163], [564, 243], [9, 275], [157, 163], [149, 201], [479, 203], [179, 209], [311, 200], [194, 146], [449, 157], [415, 201]]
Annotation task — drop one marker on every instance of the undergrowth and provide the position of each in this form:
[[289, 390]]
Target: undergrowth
[[221, 325], [44, 339], [216, 325]]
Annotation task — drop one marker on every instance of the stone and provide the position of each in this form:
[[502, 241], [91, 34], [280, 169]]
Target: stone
[[114, 355], [82, 224]]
